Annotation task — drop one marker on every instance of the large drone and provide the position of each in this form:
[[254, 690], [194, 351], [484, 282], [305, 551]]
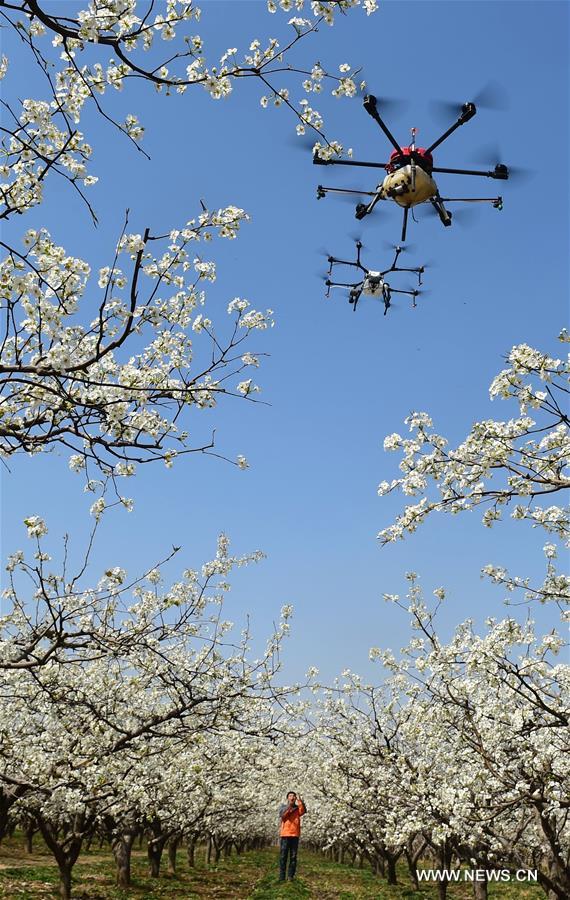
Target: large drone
[[372, 283], [409, 179]]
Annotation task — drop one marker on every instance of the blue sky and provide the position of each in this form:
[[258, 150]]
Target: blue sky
[[336, 382]]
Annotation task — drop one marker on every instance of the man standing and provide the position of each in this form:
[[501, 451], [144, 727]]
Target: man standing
[[290, 817]]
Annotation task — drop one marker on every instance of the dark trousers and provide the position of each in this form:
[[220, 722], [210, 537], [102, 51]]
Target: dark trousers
[[289, 847]]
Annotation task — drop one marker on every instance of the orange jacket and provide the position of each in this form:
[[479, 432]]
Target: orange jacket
[[290, 817]]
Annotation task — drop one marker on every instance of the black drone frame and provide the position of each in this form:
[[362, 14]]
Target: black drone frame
[[356, 287], [468, 110]]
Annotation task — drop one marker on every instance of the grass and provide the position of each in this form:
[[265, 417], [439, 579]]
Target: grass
[[251, 876]]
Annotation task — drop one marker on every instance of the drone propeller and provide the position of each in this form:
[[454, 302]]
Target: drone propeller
[[412, 296], [420, 292], [304, 142], [492, 97], [490, 155], [351, 199], [465, 215], [391, 107], [462, 215], [356, 237], [404, 248]]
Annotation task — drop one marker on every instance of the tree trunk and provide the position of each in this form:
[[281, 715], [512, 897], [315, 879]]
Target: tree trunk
[[480, 890], [154, 853], [191, 852], [412, 868], [7, 800], [29, 838], [413, 858], [65, 856], [209, 846], [392, 877], [172, 848], [65, 881], [121, 845], [445, 857]]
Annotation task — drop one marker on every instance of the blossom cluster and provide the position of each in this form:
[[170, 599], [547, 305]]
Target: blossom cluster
[[112, 402], [499, 463]]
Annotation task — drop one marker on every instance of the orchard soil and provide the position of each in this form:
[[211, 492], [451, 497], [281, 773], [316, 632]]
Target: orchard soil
[[251, 876]]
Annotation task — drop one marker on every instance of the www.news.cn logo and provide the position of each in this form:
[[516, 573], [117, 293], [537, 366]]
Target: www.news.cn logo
[[479, 875]]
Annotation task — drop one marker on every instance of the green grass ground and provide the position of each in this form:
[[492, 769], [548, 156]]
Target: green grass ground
[[252, 876]]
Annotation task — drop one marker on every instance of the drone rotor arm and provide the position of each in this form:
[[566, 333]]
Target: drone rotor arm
[[493, 200], [322, 191], [468, 110], [350, 262], [358, 252], [410, 293], [370, 105], [501, 172], [346, 284], [318, 161], [393, 267], [417, 270]]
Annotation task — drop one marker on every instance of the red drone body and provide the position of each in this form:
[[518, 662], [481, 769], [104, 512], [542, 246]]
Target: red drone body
[[421, 156], [410, 172]]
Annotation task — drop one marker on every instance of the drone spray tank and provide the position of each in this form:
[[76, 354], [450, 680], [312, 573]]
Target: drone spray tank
[[373, 284], [409, 180]]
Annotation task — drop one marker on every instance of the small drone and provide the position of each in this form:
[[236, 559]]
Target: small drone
[[372, 284], [409, 180]]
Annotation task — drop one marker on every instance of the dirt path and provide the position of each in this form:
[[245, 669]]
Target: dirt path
[[17, 861]]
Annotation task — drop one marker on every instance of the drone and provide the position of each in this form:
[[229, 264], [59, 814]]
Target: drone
[[372, 284], [409, 180]]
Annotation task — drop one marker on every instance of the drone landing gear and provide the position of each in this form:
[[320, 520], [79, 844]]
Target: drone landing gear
[[387, 296], [363, 209], [354, 297], [444, 215], [405, 224]]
